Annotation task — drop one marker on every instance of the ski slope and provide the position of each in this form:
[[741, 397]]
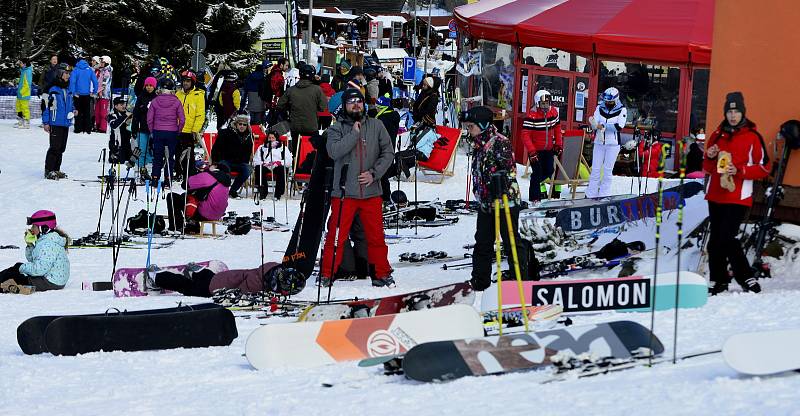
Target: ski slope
[[219, 381]]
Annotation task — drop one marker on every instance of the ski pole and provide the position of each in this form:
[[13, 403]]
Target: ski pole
[[517, 273], [342, 183], [681, 204], [102, 189], [499, 266], [661, 164], [131, 191], [171, 212], [153, 224]]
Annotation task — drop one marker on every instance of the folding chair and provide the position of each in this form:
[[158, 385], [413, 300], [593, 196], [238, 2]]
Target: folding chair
[[207, 143], [567, 167], [304, 147], [443, 157]]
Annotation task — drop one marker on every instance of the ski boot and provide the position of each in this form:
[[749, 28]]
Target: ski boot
[[418, 302], [387, 281], [750, 285], [60, 174], [150, 278], [51, 176], [324, 281], [719, 287]]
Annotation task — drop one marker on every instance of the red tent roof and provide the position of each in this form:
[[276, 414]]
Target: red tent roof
[[654, 30]]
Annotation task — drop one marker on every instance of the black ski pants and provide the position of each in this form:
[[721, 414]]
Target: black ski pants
[[39, 282], [483, 256], [184, 156], [278, 175], [196, 285], [58, 144], [83, 121], [724, 248], [540, 171]]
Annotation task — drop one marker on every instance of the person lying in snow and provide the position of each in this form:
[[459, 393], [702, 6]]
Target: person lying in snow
[[199, 281], [47, 267]]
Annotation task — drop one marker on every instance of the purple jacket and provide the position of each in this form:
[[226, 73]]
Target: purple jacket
[[248, 281], [165, 114], [213, 208]]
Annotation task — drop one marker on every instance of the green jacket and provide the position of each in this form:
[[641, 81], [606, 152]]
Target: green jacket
[[303, 101]]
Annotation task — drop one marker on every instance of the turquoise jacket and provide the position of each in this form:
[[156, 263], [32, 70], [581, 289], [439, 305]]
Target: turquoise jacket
[[48, 258], [24, 85]]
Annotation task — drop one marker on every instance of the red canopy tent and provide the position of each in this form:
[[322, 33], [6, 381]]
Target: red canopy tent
[[654, 30]]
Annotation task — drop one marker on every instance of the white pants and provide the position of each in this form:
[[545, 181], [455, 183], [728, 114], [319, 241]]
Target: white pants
[[603, 158]]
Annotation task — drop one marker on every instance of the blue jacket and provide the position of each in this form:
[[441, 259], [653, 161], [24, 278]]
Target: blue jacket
[[48, 258], [254, 81], [83, 80], [58, 111]]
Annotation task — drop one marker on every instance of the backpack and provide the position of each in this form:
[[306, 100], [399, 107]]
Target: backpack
[[137, 224]]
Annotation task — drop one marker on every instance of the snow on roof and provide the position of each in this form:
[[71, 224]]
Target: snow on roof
[[324, 14], [274, 24], [387, 20], [390, 54]]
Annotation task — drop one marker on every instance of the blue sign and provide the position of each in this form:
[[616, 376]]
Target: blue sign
[[409, 68], [453, 35]]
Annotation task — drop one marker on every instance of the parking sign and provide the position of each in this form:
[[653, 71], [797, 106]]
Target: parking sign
[[409, 68]]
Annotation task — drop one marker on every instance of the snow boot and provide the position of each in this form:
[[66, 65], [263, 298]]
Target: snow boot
[[51, 175], [60, 174], [719, 287], [750, 285], [150, 277], [26, 124], [387, 281]]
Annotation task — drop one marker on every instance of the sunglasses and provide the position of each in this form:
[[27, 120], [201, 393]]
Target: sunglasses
[[242, 124], [355, 101]]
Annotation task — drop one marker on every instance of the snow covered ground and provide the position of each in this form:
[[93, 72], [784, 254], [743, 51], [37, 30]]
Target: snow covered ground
[[219, 381]]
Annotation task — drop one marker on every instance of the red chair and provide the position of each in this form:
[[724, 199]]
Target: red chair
[[304, 148], [208, 143], [443, 157]]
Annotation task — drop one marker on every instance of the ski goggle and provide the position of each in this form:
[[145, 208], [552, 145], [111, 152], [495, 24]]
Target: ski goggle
[[355, 100], [32, 221]]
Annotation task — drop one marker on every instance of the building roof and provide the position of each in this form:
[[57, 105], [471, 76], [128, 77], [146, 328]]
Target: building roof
[[274, 24], [390, 54]]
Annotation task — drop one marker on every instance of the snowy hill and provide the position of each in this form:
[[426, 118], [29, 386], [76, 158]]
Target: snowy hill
[[219, 381]]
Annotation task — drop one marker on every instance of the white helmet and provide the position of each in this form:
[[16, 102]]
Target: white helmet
[[105, 59], [540, 96], [611, 94], [96, 59]]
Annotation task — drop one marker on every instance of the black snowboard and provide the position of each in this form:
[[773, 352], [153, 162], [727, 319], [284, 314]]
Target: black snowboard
[[203, 326], [448, 360], [30, 334], [301, 254]]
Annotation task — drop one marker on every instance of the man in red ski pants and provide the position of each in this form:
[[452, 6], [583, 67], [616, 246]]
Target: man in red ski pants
[[362, 152]]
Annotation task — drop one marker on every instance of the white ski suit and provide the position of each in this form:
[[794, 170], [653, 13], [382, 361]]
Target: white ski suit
[[608, 125]]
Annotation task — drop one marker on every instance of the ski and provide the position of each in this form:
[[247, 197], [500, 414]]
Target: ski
[[763, 353]]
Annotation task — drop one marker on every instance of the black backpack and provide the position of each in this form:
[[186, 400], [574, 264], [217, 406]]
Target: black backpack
[[137, 224]]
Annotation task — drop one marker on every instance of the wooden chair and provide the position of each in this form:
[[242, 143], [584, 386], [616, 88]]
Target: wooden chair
[[213, 227], [443, 157], [567, 167]]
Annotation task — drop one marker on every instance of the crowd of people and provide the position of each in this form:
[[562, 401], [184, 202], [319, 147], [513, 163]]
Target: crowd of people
[[157, 125]]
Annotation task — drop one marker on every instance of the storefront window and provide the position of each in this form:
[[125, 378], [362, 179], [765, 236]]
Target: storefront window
[[554, 58], [699, 99], [498, 75], [649, 92]]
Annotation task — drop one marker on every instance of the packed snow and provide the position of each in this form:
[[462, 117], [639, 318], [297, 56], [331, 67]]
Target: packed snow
[[220, 381]]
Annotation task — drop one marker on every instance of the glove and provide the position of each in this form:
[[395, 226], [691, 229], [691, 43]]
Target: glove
[[557, 150], [533, 157], [30, 239]]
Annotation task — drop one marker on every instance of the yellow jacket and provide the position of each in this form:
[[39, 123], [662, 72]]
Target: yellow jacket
[[194, 108]]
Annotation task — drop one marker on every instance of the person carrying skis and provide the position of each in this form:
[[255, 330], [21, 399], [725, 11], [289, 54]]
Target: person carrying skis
[[492, 154], [193, 100], [199, 281], [83, 86], [47, 266], [303, 101], [119, 141], [56, 119], [735, 156], [362, 151], [541, 135], [140, 129], [608, 121], [165, 119], [205, 200], [23, 102]]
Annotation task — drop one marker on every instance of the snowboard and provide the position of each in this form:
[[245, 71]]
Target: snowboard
[[629, 294], [309, 344], [130, 282], [626, 210], [197, 328], [458, 293], [559, 204], [30, 333], [301, 253], [763, 353], [448, 360]]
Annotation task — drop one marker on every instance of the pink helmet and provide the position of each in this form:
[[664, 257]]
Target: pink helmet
[[43, 217]]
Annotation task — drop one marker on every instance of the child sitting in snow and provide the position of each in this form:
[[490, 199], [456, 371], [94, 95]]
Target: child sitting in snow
[[46, 251]]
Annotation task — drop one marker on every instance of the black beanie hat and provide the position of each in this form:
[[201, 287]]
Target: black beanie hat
[[734, 101], [482, 116]]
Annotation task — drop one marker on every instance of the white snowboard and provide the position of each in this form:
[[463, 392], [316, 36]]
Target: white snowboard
[[309, 344], [763, 353]]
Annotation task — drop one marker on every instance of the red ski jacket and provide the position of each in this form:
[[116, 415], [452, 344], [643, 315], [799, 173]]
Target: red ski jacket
[[649, 158], [748, 154], [541, 130]]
